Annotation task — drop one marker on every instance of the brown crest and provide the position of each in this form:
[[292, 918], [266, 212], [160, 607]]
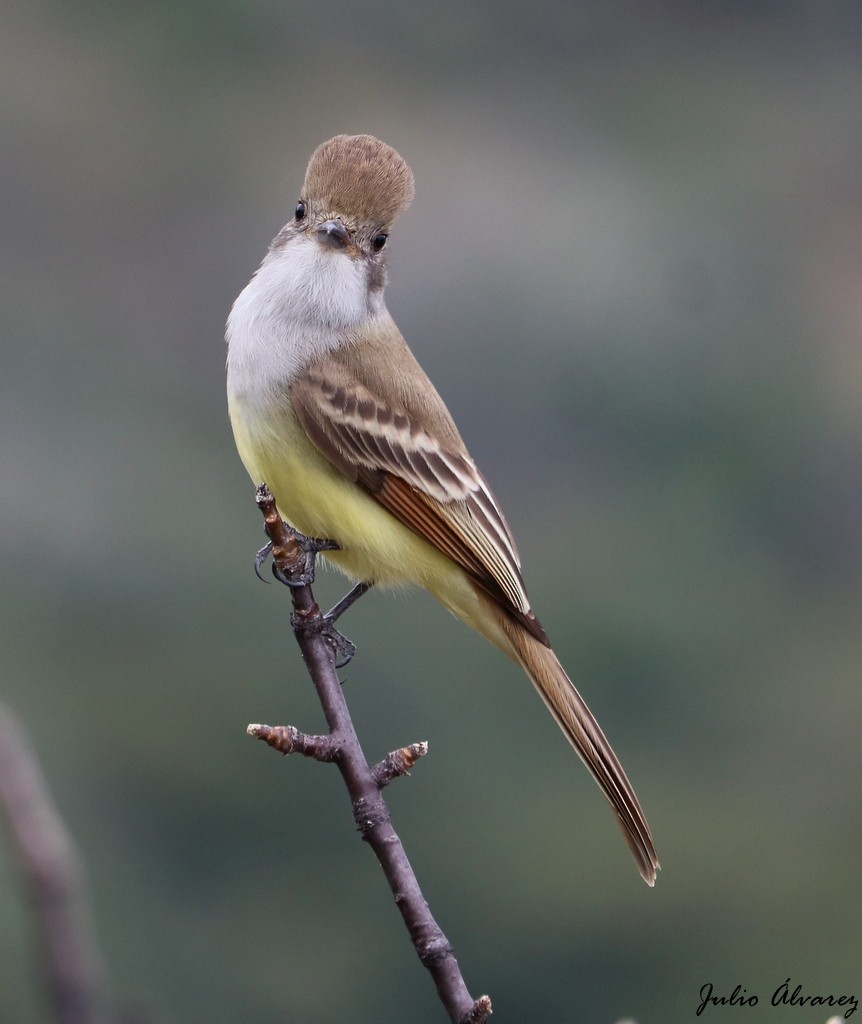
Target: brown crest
[[360, 178]]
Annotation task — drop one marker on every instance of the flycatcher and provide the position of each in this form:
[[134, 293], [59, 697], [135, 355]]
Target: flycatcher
[[331, 410]]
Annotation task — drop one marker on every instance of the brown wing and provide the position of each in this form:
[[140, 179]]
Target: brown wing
[[437, 493]]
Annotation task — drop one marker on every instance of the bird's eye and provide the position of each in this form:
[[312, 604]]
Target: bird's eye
[[299, 212], [378, 241]]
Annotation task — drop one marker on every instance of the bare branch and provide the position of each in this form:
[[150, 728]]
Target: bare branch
[[292, 564], [54, 880]]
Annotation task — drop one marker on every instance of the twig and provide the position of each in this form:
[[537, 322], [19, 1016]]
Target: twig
[[399, 762], [288, 740], [54, 878], [363, 782]]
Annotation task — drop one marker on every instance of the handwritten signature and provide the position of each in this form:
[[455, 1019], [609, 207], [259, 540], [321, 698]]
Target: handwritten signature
[[782, 996]]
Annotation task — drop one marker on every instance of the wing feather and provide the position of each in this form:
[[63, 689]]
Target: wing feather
[[437, 492]]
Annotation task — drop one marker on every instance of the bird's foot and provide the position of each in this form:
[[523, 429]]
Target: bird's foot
[[321, 625], [310, 547], [344, 648]]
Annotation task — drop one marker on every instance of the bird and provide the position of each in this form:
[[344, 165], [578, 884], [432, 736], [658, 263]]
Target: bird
[[331, 410]]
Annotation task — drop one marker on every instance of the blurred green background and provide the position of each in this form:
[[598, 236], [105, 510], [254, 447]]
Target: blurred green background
[[637, 238]]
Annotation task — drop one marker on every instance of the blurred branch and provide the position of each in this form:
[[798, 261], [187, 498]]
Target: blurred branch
[[293, 564], [54, 881]]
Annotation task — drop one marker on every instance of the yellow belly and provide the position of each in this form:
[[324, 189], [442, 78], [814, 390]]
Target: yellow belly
[[320, 502]]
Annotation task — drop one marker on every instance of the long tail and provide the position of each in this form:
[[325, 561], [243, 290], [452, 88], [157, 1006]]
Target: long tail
[[583, 732]]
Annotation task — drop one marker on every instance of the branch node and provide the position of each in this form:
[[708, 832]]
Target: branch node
[[478, 1012], [289, 740], [368, 817], [431, 951], [397, 763], [307, 620]]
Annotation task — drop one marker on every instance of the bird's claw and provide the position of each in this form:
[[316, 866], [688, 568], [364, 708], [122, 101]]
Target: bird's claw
[[310, 547], [343, 648], [260, 558]]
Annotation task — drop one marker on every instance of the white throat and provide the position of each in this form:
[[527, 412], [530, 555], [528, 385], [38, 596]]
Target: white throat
[[302, 303]]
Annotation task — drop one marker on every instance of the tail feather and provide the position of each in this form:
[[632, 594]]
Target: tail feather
[[583, 732]]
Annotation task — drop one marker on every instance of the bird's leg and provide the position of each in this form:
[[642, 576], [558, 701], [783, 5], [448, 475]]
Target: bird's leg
[[344, 648], [310, 547], [350, 598]]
